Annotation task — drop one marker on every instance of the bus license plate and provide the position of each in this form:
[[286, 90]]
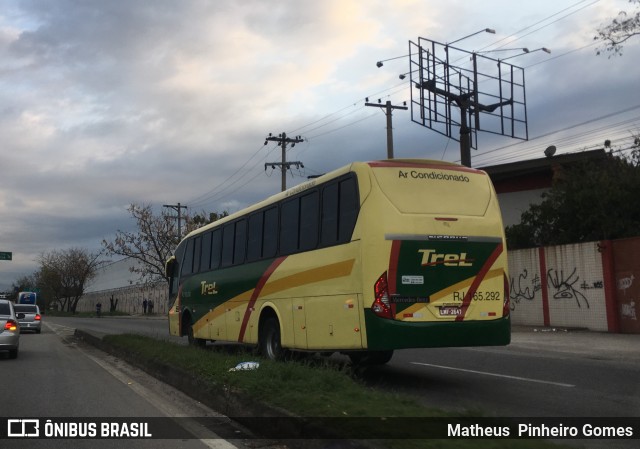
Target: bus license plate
[[450, 311]]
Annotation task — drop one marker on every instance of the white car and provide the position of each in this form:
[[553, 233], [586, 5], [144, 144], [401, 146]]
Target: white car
[[32, 320], [9, 328]]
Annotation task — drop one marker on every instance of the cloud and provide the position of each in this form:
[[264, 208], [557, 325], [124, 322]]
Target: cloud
[[103, 104]]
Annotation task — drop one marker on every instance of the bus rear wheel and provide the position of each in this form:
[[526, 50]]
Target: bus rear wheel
[[371, 357], [270, 345]]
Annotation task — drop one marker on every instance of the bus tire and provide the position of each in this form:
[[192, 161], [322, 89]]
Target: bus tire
[[371, 357], [193, 341], [270, 345]]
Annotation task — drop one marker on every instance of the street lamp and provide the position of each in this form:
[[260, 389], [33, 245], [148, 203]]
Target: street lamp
[[523, 50], [380, 63], [485, 30], [544, 49]]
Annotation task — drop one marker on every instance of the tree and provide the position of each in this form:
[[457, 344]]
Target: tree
[[150, 245], [201, 219], [63, 275], [154, 240], [23, 284], [591, 201], [621, 29]]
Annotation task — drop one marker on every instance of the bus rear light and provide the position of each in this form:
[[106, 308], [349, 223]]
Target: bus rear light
[[381, 305]]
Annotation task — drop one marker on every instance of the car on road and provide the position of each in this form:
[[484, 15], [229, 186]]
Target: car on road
[[9, 328], [32, 320]]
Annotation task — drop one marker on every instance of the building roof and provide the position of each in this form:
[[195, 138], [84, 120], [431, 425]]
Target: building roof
[[535, 173]]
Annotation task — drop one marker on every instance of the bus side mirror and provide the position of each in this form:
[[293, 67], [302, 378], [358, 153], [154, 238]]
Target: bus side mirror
[[170, 267]]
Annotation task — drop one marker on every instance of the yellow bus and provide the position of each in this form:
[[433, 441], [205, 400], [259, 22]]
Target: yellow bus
[[370, 258]]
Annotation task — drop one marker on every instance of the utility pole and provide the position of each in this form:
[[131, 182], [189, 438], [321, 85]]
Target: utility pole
[[389, 108], [283, 140], [177, 207]]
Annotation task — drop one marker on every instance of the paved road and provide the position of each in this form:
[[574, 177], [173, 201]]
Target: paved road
[[544, 372], [54, 377]]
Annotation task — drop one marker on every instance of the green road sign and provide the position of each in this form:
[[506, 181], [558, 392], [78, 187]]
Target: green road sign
[[5, 255]]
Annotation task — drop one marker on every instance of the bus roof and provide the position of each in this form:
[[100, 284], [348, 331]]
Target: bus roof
[[331, 175]]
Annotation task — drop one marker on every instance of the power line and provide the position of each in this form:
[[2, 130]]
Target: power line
[[567, 128]]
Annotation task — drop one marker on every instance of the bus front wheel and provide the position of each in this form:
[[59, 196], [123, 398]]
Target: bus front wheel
[[193, 341], [270, 345]]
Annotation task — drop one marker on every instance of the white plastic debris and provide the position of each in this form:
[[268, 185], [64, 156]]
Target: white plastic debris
[[245, 366]]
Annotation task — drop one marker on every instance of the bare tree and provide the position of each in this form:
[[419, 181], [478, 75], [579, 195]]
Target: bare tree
[[621, 29], [154, 240], [151, 245], [64, 274]]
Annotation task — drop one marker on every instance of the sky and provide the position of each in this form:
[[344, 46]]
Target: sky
[[106, 104]]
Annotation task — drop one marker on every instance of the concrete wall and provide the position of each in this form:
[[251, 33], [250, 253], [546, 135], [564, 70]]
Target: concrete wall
[[561, 286]]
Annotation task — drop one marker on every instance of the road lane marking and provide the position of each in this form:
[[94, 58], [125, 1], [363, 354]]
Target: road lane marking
[[207, 437], [60, 330], [192, 426], [484, 373]]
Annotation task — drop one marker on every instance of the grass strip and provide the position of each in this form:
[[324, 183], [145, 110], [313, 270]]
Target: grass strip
[[313, 387]]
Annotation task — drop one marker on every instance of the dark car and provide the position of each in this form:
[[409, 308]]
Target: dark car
[[32, 320], [9, 329]]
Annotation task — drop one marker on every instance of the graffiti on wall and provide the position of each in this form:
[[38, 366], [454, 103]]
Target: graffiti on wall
[[565, 288], [524, 288], [560, 286], [627, 309], [625, 283]]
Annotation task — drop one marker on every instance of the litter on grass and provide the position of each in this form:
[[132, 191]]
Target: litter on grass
[[245, 366]]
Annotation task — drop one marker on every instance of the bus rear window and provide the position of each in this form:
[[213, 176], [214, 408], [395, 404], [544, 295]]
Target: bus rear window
[[436, 190]]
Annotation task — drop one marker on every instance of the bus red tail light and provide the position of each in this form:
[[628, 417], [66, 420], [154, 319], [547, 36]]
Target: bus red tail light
[[381, 305], [10, 325], [506, 305]]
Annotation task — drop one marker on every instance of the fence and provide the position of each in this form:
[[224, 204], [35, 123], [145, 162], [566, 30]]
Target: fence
[[588, 285], [127, 299]]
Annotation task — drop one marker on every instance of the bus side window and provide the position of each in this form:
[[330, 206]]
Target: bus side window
[[197, 250], [289, 226], [227, 244], [216, 248], [329, 217], [309, 221], [240, 245], [270, 233], [348, 212], [187, 267], [254, 246], [205, 254]]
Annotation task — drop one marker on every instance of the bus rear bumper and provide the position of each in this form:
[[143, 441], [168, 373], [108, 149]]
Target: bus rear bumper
[[385, 334]]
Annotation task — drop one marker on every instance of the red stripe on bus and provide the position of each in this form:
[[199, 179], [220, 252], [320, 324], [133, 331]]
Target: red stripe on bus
[[478, 279], [256, 293], [392, 275]]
